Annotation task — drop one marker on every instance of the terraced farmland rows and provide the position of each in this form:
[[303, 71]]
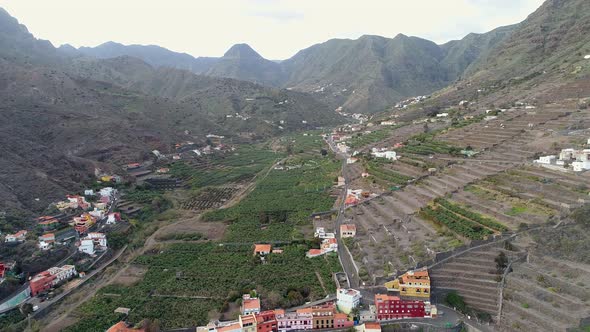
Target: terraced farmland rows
[[544, 295]]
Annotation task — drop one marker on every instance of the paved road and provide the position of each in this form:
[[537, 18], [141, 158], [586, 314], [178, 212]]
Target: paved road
[[344, 255]]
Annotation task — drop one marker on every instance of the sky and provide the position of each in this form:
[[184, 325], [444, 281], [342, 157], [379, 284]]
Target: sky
[[276, 29]]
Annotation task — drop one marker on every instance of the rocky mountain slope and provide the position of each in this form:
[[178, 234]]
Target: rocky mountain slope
[[60, 117], [363, 75], [545, 58]]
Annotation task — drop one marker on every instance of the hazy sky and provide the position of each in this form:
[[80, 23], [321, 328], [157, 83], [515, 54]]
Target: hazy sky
[[277, 29]]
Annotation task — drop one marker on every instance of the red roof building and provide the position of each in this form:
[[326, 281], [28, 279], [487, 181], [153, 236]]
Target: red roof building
[[392, 307], [41, 282], [262, 249], [266, 322]]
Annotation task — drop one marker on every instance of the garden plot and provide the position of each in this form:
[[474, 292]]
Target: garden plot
[[210, 198], [510, 211], [130, 276], [545, 294]]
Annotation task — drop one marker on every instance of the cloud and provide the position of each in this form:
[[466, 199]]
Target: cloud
[[280, 16]]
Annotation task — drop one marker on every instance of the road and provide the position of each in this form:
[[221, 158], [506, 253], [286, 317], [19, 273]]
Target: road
[[344, 254]]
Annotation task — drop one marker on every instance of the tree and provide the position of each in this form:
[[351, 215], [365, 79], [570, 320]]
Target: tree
[[501, 262], [456, 301], [324, 152]]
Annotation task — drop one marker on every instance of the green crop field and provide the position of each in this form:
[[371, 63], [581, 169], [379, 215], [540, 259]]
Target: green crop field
[[280, 201], [214, 272], [240, 165]]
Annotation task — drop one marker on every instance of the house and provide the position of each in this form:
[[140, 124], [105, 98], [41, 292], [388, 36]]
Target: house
[[579, 166], [62, 273], [46, 241], [392, 307], [231, 327], [323, 316], [365, 175], [107, 192], [389, 155], [329, 245], [113, 218], [19, 236], [341, 321], [250, 305], [41, 282], [77, 202], [320, 232], [83, 223], [546, 160], [93, 242], [97, 213], [248, 322], [298, 321], [88, 192], [86, 246], [347, 230], [133, 166], [163, 170], [99, 238], [262, 249], [314, 253], [372, 327], [351, 160], [47, 222], [414, 283], [341, 181], [388, 123], [347, 299], [266, 322], [124, 327], [442, 115], [351, 200]]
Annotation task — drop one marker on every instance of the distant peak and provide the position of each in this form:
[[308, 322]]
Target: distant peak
[[241, 51]]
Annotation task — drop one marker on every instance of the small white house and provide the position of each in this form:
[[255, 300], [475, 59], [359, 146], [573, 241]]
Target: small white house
[[547, 160], [580, 166], [442, 115], [86, 246], [389, 155], [88, 192]]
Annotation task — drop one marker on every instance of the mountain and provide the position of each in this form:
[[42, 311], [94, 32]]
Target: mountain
[[542, 53], [154, 55], [363, 75], [62, 115], [243, 63], [372, 72]]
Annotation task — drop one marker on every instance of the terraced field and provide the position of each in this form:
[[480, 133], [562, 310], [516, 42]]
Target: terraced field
[[545, 294]]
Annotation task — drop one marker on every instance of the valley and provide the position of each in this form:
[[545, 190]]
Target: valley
[[376, 184]]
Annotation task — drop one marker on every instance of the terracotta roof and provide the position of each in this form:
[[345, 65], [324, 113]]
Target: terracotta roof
[[385, 297], [348, 227], [314, 252], [262, 248], [251, 304], [373, 325], [230, 327], [250, 318], [304, 311], [279, 312]]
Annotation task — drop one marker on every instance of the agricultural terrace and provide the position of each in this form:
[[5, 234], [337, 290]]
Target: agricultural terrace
[[281, 201], [185, 282], [425, 144], [238, 166], [309, 143], [362, 139]]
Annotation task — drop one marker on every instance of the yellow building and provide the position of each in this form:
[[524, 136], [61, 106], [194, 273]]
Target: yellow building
[[412, 283]]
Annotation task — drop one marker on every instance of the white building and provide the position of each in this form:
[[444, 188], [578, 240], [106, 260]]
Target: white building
[[108, 192], [580, 166], [62, 273], [547, 160], [86, 246], [88, 192], [347, 299], [567, 154], [98, 238], [389, 155], [442, 115], [321, 233]]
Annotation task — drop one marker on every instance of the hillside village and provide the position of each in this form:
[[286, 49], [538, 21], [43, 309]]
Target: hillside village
[[317, 201]]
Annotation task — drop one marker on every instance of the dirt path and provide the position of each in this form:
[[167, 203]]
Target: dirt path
[[317, 274]]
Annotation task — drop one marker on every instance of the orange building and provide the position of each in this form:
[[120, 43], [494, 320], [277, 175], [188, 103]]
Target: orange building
[[412, 283]]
